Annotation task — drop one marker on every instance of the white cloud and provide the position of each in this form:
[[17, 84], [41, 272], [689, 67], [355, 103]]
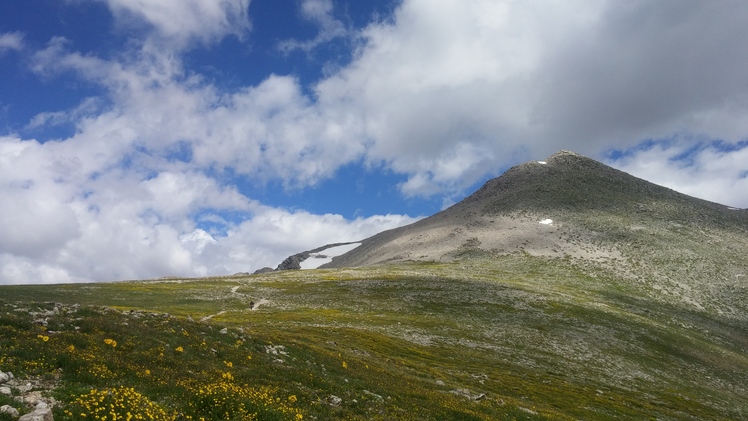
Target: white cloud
[[111, 202], [319, 12], [717, 172], [11, 41], [180, 22], [445, 174], [64, 222], [32, 223], [87, 107], [269, 131]]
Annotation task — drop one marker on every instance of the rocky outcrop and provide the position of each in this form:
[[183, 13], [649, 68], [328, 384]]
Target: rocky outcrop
[[40, 413], [294, 262], [35, 401]]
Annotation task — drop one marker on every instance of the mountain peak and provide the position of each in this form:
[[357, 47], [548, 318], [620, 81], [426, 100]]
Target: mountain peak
[[564, 180], [568, 189], [564, 153]]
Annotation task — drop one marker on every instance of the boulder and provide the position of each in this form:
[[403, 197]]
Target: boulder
[[32, 399], [7, 409], [333, 400], [39, 414], [5, 377]]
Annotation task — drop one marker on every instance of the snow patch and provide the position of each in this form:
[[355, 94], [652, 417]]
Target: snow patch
[[316, 260], [731, 208], [546, 221], [542, 162]]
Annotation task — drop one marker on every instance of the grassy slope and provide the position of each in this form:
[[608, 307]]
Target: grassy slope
[[541, 338]]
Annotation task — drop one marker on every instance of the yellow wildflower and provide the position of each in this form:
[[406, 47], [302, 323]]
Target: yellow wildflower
[[292, 398], [111, 342], [179, 349], [345, 365], [45, 338]]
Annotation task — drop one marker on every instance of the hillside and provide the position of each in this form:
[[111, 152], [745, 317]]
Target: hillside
[[558, 291], [663, 244]]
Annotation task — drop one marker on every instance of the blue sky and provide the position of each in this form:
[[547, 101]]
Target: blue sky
[[207, 137]]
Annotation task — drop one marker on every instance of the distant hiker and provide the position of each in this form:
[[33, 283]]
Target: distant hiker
[[251, 305]]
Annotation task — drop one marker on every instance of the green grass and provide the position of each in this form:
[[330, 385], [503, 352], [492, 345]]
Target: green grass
[[540, 338]]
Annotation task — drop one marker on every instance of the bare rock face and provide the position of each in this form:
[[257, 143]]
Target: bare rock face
[[42, 406], [293, 262]]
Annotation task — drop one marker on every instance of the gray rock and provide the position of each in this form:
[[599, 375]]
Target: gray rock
[[373, 395], [7, 409], [33, 398], [39, 414], [5, 390], [5, 377], [294, 262], [333, 400], [468, 394]]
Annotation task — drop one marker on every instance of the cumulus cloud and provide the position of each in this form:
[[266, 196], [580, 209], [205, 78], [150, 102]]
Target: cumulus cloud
[[66, 220], [268, 131], [129, 195]]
